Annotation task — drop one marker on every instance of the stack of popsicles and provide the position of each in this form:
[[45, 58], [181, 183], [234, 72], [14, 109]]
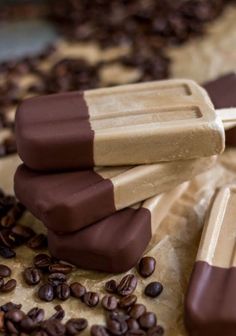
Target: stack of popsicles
[[103, 167]]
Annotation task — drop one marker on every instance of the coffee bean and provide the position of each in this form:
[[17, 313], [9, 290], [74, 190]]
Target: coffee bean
[[127, 285], [127, 301], [7, 221], [14, 315], [27, 324], [117, 327], [146, 266], [46, 292], [11, 328], [22, 233], [42, 261], [9, 286], [109, 302], [60, 313], [32, 276], [37, 242], [98, 330], [60, 268], [7, 252], [111, 286], [77, 290], [63, 291], [36, 314], [137, 310], [147, 320], [155, 331], [153, 289], [91, 299], [75, 325], [5, 271], [56, 279], [10, 306], [118, 316], [53, 328], [132, 324]]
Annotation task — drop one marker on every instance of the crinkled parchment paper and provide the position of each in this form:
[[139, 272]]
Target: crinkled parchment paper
[[175, 244]]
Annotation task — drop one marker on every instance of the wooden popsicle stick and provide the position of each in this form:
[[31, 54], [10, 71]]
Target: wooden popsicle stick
[[227, 115]]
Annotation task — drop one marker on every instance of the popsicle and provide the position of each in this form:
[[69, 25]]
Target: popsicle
[[115, 244], [124, 125], [222, 92], [66, 202], [210, 302]]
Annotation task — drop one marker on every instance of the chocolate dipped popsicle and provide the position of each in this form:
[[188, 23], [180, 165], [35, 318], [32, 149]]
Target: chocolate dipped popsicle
[[124, 125], [67, 202], [222, 92], [210, 307], [116, 243]]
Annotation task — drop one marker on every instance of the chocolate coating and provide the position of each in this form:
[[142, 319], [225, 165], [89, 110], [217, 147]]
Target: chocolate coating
[[59, 124], [210, 308], [222, 92], [65, 202], [97, 247]]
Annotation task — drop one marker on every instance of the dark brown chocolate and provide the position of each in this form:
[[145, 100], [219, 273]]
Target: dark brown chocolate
[[65, 202], [97, 247], [60, 125], [222, 92], [210, 308]]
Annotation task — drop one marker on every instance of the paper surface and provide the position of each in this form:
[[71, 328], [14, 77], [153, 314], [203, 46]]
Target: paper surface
[[175, 244]]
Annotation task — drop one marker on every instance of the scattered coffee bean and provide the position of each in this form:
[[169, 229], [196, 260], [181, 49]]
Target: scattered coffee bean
[[91, 299], [60, 268], [9, 286], [137, 310], [37, 242], [27, 324], [77, 290], [132, 324], [98, 330], [155, 331], [75, 325], [60, 313], [127, 301], [53, 328], [32, 276], [117, 327], [46, 292], [63, 291], [111, 286], [146, 266], [10, 306], [14, 315], [7, 252], [5, 271], [127, 285], [147, 320], [109, 302], [56, 279], [42, 261], [153, 289], [36, 314], [118, 316], [21, 233]]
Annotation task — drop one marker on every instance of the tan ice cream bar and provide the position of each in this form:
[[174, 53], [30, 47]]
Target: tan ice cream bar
[[66, 202], [210, 301], [124, 125], [96, 248]]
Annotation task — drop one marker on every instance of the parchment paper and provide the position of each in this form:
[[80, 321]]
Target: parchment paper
[[175, 244]]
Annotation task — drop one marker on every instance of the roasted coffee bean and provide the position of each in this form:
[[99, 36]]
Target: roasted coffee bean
[[117, 327], [111, 286], [153, 289], [27, 324], [77, 290], [10, 306], [7, 252], [42, 261], [37, 242], [132, 324], [53, 328], [56, 279], [147, 320], [127, 301], [46, 292], [6, 239], [91, 299], [63, 291], [9, 286], [5, 271], [60, 313], [146, 266], [75, 325], [11, 328], [32, 276], [127, 285], [156, 331], [8, 221], [60, 268], [14, 315], [109, 302], [36, 314], [137, 310], [135, 332], [22, 233], [98, 330]]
